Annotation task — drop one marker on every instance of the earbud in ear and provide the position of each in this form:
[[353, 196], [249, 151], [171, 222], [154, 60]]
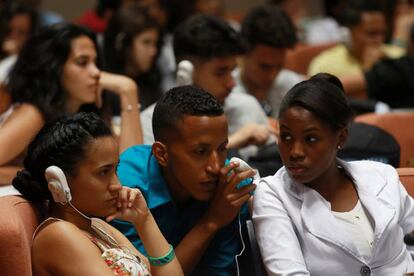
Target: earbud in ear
[[185, 73], [58, 185]]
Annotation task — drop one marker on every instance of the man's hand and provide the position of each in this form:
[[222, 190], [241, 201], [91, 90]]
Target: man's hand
[[228, 199], [251, 134], [371, 55]]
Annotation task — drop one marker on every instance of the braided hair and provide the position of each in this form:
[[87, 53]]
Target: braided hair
[[62, 143]]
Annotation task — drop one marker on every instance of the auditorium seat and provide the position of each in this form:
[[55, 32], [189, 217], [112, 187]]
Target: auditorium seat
[[18, 220], [398, 124], [299, 58]]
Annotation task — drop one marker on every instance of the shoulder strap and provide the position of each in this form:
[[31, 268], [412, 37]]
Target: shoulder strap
[[98, 243], [43, 224]]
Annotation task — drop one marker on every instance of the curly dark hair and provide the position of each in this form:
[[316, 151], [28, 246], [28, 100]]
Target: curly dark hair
[[104, 5], [61, 143], [205, 37], [36, 76], [268, 25], [179, 102]]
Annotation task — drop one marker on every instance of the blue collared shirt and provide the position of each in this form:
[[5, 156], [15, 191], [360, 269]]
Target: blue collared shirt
[[138, 168]]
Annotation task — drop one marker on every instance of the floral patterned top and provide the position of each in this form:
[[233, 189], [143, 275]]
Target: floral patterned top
[[121, 261]]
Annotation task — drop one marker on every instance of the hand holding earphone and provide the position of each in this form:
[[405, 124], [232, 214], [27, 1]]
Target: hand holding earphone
[[228, 197], [243, 166], [131, 206]]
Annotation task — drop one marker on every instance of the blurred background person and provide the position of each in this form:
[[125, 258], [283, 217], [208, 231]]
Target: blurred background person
[[367, 25], [18, 21], [268, 34], [97, 18], [131, 48], [56, 74]]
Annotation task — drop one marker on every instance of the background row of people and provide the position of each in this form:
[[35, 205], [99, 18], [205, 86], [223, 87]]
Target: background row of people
[[57, 72]]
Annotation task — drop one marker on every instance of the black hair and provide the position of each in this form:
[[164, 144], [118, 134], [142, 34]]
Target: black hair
[[352, 13], [62, 143], [268, 25], [323, 95], [205, 37], [179, 102], [125, 24], [104, 5], [36, 76], [11, 9]]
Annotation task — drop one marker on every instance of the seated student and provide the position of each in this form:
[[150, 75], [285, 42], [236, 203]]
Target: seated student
[[390, 80], [367, 24], [189, 191], [57, 73], [79, 152], [18, 21], [212, 46], [130, 48], [319, 215], [269, 34], [97, 19]]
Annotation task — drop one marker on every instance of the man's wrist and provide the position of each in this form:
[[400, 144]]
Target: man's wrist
[[209, 226]]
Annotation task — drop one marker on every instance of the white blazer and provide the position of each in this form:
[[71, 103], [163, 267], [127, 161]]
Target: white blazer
[[298, 234]]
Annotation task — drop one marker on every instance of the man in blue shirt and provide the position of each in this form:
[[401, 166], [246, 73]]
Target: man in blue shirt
[[189, 190]]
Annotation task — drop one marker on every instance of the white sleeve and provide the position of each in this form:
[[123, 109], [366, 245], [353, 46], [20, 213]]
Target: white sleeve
[[146, 124], [279, 245], [241, 109]]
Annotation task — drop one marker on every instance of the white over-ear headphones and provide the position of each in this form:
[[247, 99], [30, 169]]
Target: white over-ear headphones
[[185, 73], [58, 185]]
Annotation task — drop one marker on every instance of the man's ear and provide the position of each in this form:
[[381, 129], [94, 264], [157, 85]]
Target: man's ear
[[160, 152]]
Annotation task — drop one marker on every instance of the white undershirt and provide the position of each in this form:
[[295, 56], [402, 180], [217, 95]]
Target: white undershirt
[[359, 227]]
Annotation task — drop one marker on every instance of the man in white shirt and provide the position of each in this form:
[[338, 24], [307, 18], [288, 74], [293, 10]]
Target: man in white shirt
[[268, 33], [211, 46]]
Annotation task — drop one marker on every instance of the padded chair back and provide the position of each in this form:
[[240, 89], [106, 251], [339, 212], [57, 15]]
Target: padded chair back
[[299, 58], [18, 220], [407, 179], [398, 124], [368, 142]]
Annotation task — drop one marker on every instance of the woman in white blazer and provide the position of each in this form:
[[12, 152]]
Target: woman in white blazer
[[319, 215]]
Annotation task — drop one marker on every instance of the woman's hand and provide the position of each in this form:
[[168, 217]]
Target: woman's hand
[[131, 206], [122, 85], [119, 84]]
